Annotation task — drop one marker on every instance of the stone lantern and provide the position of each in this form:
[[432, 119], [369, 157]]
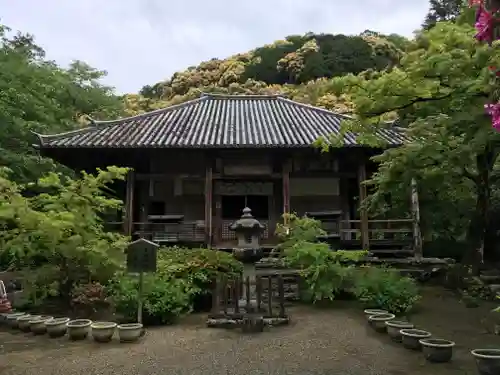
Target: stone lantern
[[248, 231]]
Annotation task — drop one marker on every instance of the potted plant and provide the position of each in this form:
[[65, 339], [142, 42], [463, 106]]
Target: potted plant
[[57, 327], [23, 322], [487, 361], [437, 350], [378, 321], [395, 326], [411, 338], [130, 332], [37, 324], [12, 319], [103, 331], [79, 329]]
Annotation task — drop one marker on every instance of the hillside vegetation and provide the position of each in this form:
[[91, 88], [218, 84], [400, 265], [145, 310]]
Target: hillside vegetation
[[298, 66]]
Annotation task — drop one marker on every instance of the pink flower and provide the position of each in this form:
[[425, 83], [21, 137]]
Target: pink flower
[[484, 26], [494, 111]]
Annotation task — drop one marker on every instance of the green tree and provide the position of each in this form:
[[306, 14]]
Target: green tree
[[443, 10], [438, 93], [58, 235], [37, 95]]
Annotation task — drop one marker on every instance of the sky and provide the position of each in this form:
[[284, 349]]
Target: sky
[[140, 42]]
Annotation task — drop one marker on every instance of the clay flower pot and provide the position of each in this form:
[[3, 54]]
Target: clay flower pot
[[37, 324], [411, 338], [395, 326], [437, 350], [103, 331], [79, 329], [23, 322], [57, 327], [12, 320], [487, 361], [130, 332], [378, 321]]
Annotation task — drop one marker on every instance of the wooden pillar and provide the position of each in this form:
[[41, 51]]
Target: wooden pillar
[[365, 234], [415, 211], [208, 204], [128, 221], [286, 188]]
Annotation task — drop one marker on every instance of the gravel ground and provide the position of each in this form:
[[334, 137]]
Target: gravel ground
[[318, 342]]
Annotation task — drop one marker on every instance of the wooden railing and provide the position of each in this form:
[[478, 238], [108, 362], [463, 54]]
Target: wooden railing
[[392, 231], [379, 230], [185, 231]]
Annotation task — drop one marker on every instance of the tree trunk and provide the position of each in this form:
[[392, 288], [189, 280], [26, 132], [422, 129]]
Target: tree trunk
[[479, 223]]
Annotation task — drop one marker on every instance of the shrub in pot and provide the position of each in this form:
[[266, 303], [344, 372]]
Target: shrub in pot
[[394, 328], [437, 350], [56, 327], [103, 331], [487, 361], [37, 324], [79, 329], [384, 288], [411, 338]]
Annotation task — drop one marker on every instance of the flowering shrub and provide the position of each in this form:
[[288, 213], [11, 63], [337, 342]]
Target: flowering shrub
[[488, 30]]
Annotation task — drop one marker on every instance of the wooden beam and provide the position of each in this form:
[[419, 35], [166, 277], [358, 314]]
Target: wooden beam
[[365, 239], [287, 165], [129, 204], [415, 210], [208, 204]]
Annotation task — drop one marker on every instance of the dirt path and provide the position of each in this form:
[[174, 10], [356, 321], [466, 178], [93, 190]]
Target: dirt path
[[333, 341]]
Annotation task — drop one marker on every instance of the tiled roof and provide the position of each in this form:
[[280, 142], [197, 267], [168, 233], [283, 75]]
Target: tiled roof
[[216, 121]]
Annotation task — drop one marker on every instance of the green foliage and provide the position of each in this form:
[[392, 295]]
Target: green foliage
[[298, 229], [37, 95], [384, 288], [165, 297], [324, 272], [57, 236], [182, 276], [437, 92], [445, 10], [299, 67]]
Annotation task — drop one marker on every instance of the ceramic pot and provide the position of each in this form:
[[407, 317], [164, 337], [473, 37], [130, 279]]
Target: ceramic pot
[[12, 320], [487, 361], [79, 329], [130, 332], [371, 312], [3, 318], [378, 321], [103, 331], [437, 350], [23, 322], [37, 324], [411, 338], [395, 326], [57, 327]]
